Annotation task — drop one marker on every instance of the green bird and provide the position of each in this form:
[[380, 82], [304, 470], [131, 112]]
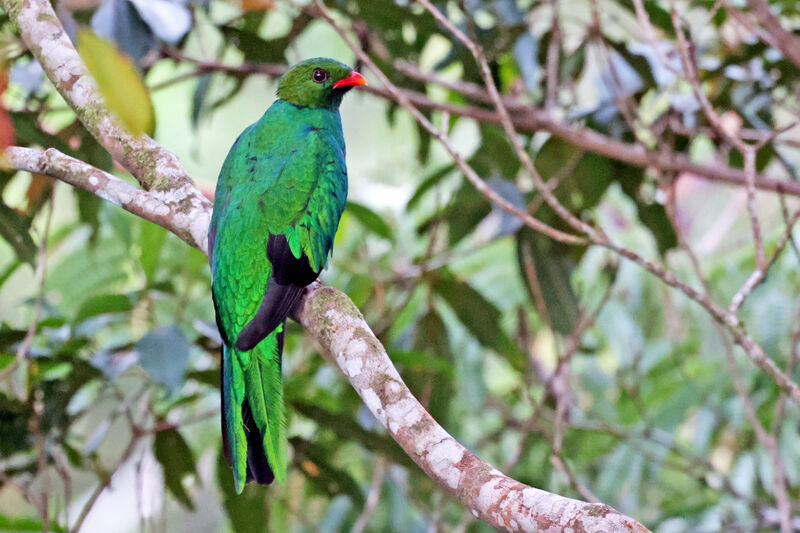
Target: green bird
[[279, 197]]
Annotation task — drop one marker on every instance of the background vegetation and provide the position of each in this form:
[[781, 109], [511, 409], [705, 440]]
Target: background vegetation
[[565, 365]]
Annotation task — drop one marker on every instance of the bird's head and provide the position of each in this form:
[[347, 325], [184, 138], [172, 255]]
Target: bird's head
[[318, 82]]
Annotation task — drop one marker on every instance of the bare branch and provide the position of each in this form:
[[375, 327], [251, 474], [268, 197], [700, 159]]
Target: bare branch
[[468, 171], [780, 37], [373, 497], [690, 70], [598, 237], [508, 126], [528, 119]]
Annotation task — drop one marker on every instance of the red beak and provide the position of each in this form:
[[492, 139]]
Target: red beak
[[353, 80]]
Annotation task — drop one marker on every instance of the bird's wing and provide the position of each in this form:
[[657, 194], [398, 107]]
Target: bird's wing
[[306, 201], [272, 237], [309, 193]]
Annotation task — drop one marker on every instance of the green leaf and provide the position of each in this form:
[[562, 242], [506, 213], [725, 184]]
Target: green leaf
[[257, 49], [10, 336], [428, 183], [549, 264], [657, 15], [583, 177], [102, 305], [465, 210], [6, 273], [119, 81], [66, 375], [89, 210], [652, 215], [495, 155], [14, 229], [419, 360], [247, 511], [199, 97], [369, 219], [429, 371], [177, 460], [90, 150], [14, 418], [28, 132], [478, 314], [14, 524], [207, 377], [164, 353], [151, 240]]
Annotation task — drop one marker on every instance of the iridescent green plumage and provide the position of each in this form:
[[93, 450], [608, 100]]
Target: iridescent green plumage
[[280, 194]]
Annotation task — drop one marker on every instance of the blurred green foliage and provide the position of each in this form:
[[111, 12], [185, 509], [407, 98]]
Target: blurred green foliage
[[120, 388]]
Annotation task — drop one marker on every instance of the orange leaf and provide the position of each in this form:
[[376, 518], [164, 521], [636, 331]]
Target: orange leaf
[[38, 191], [6, 130], [258, 5], [6, 126]]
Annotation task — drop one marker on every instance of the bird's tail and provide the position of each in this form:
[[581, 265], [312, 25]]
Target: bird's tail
[[253, 417]]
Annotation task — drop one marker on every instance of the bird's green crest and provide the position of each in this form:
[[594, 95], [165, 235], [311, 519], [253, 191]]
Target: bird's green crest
[[310, 83]]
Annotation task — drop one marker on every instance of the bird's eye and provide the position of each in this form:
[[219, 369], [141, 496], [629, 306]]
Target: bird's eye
[[319, 75]]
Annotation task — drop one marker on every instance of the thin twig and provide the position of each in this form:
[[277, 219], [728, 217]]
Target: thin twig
[[528, 119], [41, 278], [104, 484], [759, 274], [691, 74], [468, 171], [553, 56], [582, 489], [508, 126], [768, 441], [373, 497], [779, 37]]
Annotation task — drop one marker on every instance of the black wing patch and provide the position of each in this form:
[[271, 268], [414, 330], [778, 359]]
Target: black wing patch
[[286, 268], [275, 307], [285, 287]]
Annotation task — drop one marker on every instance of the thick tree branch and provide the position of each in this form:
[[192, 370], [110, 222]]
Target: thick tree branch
[[335, 323], [173, 209], [154, 167]]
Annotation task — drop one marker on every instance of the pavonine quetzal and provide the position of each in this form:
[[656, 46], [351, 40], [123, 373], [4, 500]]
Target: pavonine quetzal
[[279, 197]]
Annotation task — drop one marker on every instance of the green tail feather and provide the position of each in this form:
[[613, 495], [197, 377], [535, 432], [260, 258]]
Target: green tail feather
[[265, 395], [260, 384], [233, 395]]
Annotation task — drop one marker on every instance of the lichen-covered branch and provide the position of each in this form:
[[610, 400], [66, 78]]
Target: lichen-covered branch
[[150, 163], [335, 323], [333, 320], [157, 169], [177, 210]]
